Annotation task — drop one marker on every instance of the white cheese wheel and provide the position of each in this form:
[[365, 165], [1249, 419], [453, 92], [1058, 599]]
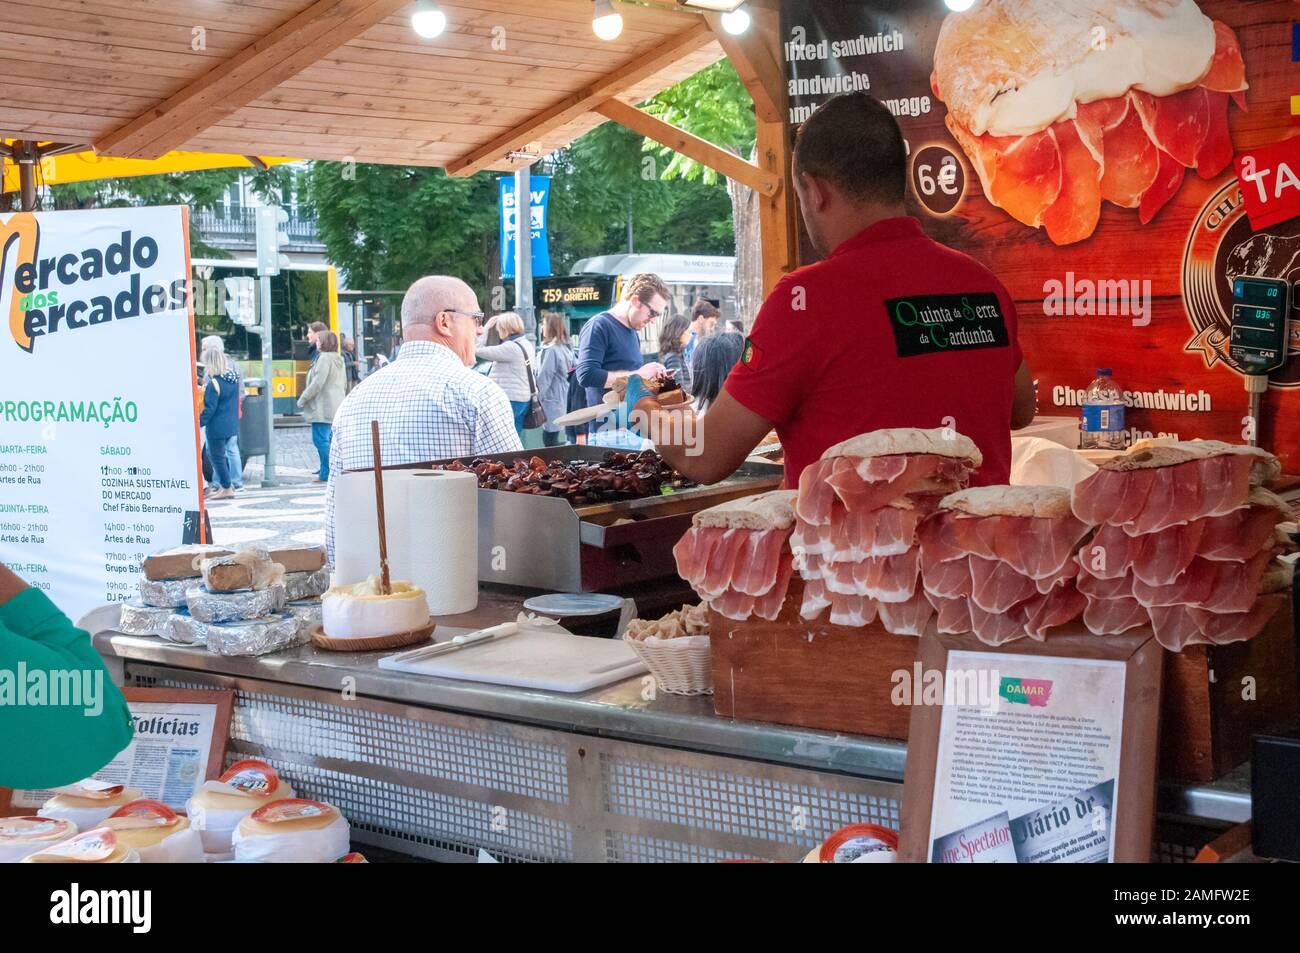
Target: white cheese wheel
[[21, 836], [177, 844], [360, 612], [304, 840], [215, 815], [86, 812]]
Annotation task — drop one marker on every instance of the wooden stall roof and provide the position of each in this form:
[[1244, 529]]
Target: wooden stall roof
[[332, 79]]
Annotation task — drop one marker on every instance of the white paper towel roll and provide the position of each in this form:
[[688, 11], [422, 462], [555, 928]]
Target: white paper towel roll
[[432, 523]]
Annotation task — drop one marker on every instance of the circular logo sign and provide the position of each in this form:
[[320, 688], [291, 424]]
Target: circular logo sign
[[938, 179], [1222, 247]]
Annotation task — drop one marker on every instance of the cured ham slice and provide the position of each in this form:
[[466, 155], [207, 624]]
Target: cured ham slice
[[815, 599], [1219, 586], [909, 617], [1074, 214], [997, 586], [855, 611], [949, 579], [1169, 176], [1227, 73], [1113, 616], [1032, 529], [873, 482], [1177, 627], [1046, 611], [1156, 485], [952, 615], [1177, 124], [1216, 150], [997, 628], [1244, 532], [856, 534], [1118, 587], [1129, 160], [883, 578]]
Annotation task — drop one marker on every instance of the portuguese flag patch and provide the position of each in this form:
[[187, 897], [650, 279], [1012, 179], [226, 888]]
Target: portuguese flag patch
[[752, 356]]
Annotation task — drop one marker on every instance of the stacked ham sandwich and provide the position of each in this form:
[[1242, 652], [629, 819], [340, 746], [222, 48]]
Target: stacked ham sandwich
[[1186, 542], [859, 512], [998, 561], [1179, 536], [735, 555]]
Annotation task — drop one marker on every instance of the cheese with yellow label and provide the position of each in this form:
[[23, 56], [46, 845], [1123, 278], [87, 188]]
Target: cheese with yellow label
[[292, 831], [87, 803]]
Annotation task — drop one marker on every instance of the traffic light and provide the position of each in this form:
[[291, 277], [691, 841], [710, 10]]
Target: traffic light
[[270, 239]]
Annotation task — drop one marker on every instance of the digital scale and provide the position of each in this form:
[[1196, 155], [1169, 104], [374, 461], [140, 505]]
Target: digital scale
[[1257, 342], [1260, 309]]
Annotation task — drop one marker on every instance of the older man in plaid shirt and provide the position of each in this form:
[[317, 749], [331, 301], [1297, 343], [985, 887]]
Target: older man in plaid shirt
[[429, 403]]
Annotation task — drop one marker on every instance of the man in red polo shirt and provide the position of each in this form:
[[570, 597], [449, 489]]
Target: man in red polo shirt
[[890, 329]]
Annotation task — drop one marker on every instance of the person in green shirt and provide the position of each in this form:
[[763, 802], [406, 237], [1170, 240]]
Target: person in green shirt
[[61, 717]]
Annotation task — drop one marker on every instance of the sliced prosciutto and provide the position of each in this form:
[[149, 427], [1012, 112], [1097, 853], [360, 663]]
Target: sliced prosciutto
[[1157, 485], [952, 615], [736, 555], [856, 534], [1177, 627], [907, 618], [873, 482], [1074, 214], [1114, 616], [883, 578], [1219, 586]]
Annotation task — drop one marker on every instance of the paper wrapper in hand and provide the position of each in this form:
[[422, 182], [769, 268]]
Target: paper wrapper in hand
[[164, 593], [217, 607], [432, 528], [306, 585], [139, 619], [256, 636]]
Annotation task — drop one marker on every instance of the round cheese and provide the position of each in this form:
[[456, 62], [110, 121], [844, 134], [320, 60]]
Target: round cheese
[[99, 846], [87, 812], [21, 836], [292, 831], [177, 843], [216, 815], [361, 612]]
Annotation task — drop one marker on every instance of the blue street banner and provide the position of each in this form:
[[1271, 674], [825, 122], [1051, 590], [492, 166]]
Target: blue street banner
[[540, 194]]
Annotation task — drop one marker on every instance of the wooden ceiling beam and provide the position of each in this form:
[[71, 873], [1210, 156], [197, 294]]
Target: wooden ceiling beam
[[287, 50], [757, 68], [691, 146], [635, 71]]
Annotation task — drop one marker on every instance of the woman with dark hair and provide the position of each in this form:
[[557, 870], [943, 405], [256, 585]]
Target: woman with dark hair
[[714, 358], [673, 335]]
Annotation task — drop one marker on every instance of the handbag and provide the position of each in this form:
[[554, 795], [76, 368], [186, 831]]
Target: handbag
[[534, 416]]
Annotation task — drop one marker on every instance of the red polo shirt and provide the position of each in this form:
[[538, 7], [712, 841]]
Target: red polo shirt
[[892, 330]]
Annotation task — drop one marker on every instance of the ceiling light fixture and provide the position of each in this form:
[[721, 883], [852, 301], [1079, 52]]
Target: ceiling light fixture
[[427, 20], [736, 21], [608, 23], [959, 6]]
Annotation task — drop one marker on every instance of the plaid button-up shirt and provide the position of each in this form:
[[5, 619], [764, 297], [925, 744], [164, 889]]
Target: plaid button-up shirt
[[429, 406]]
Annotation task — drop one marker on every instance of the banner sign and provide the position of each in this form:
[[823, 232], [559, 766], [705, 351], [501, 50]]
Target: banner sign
[[1116, 220], [99, 455], [539, 198]]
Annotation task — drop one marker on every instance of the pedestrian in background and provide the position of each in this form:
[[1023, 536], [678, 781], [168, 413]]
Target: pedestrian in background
[[313, 335], [326, 387], [714, 359], [511, 360], [352, 370], [674, 334], [220, 418], [704, 316], [558, 363]]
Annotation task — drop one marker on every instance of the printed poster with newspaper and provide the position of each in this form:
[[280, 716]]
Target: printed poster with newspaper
[[1033, 778]]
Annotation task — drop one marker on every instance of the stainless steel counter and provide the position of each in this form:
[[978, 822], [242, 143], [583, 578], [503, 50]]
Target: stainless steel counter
[[439, 767]]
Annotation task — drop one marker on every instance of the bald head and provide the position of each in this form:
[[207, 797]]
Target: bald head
[[428, 296], [439, 308]]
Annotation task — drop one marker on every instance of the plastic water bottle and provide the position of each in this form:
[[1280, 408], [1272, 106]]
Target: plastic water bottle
[[1103, 414]]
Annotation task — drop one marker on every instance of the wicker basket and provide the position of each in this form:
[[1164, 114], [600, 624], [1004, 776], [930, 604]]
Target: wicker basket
[[681, 666]]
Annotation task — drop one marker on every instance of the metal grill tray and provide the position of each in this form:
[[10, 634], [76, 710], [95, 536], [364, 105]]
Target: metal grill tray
[[544, 542]]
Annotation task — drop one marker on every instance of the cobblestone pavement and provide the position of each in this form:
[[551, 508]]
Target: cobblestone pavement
[[288, 514]]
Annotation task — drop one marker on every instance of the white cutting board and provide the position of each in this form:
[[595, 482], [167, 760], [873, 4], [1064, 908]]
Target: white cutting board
[[555, 661]]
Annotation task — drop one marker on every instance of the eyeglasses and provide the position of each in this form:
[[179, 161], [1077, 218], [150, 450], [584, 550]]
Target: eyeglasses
[[656, 315], [476, 315]]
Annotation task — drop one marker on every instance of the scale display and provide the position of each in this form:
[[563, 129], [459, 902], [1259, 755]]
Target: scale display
[[1260, 308]]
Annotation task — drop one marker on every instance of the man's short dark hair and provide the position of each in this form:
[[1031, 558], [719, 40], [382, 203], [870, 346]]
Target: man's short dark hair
[[853, 142], [704, 308]]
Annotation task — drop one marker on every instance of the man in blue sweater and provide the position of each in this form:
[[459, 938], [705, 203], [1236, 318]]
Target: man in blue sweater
[[609, 347]]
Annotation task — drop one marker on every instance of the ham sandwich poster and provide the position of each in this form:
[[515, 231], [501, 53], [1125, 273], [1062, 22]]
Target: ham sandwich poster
[[1084, 151]]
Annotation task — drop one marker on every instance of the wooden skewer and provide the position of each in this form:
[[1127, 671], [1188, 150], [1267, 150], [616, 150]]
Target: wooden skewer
[[385, 586]]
